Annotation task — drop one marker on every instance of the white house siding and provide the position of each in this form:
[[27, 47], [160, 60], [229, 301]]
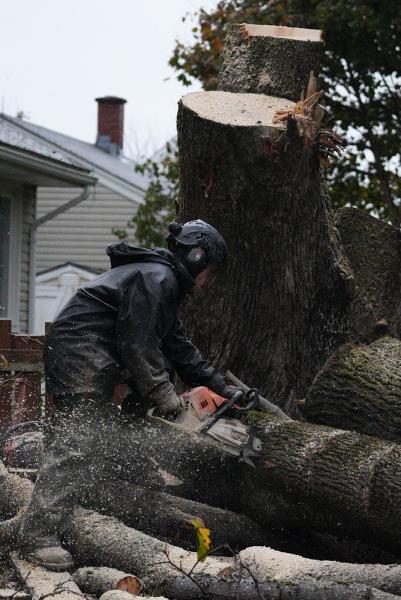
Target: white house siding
[[81, 234], [28, 217]]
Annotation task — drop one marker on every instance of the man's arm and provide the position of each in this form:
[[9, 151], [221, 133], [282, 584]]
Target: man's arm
[[139, 330], [188, 361]]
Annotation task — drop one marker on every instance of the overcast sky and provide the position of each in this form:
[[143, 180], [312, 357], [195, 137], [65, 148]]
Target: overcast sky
[[56, 56]]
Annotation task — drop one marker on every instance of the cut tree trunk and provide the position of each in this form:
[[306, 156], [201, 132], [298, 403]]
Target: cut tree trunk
[[266, 59], [373, 248], [359, 388], [98, 580], [164, 568], [278, 310]]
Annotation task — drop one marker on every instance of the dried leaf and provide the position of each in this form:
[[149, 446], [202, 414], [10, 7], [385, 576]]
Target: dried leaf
[[204, 539]]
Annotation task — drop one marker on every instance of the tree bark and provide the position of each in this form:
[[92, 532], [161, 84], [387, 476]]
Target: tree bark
[[98, 580], [340, 482], [269, 60], [279, 309], [359, 388], [373, 248], [104, 540]]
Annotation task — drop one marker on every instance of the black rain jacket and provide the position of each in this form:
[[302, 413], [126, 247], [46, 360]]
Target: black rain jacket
[[121, 326]]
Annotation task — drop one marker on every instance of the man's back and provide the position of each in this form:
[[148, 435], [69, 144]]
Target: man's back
[[81, 348]]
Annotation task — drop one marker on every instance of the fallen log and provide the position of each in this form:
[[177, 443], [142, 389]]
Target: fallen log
[[170, 517], [373, 249], [105, 541], [340, 482], [169, 570], [359, 388], [98, 580], [266, 59], [266, 563]]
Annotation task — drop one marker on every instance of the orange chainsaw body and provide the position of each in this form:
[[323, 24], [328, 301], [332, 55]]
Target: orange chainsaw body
[[203, 401]]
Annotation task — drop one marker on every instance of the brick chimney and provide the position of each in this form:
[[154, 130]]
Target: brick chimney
[[110, 124]]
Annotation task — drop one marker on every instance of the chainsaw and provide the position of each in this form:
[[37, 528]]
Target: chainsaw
[[205, 413]]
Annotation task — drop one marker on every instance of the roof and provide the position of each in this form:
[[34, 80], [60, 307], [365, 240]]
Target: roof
[[25, 157], [53, 271], [77, 151]]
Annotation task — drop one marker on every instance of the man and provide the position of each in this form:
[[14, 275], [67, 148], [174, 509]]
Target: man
[[122, 326]]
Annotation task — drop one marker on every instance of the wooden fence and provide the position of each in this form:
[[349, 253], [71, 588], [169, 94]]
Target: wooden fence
[[22, 390]]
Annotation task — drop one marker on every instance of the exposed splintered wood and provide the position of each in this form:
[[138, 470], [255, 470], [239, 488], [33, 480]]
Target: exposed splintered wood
[[373, 248], [45, 584], [104, 539], [271, 60], [98, 580], [259, 184], [359, 388]]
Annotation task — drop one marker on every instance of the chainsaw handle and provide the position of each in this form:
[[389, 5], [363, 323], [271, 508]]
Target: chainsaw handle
[[253, 403]]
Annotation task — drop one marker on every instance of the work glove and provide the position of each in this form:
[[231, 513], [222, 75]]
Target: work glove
[[229, 391], [171, 405]]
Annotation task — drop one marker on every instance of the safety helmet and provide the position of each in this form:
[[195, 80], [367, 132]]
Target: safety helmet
[[198, 244]]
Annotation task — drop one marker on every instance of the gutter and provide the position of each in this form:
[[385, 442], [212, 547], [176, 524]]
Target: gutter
[[32, 247]]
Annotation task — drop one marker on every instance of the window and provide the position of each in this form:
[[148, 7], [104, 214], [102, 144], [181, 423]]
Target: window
[[5, 223]]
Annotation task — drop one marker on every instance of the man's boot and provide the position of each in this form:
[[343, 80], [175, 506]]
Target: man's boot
[[47, 552]]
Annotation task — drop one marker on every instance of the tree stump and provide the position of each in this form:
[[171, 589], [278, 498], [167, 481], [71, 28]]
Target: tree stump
[[279, 310], [267, 59]]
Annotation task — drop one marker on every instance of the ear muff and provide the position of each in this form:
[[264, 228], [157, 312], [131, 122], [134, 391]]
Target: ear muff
[[196, 259]]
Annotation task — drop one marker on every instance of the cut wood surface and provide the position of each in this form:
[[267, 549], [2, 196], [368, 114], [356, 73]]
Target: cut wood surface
[[116, 595], [359, 388], [98, 580], [45, 584], [269, 60], [373, 248], [271, 204]]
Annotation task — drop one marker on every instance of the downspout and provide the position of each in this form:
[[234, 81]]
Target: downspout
[[32, 248]]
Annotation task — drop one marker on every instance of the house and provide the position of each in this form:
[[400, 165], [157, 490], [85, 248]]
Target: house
[[26, 164], [73, 240]]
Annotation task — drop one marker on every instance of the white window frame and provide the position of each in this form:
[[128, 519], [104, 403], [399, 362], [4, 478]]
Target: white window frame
[[14, 260]]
